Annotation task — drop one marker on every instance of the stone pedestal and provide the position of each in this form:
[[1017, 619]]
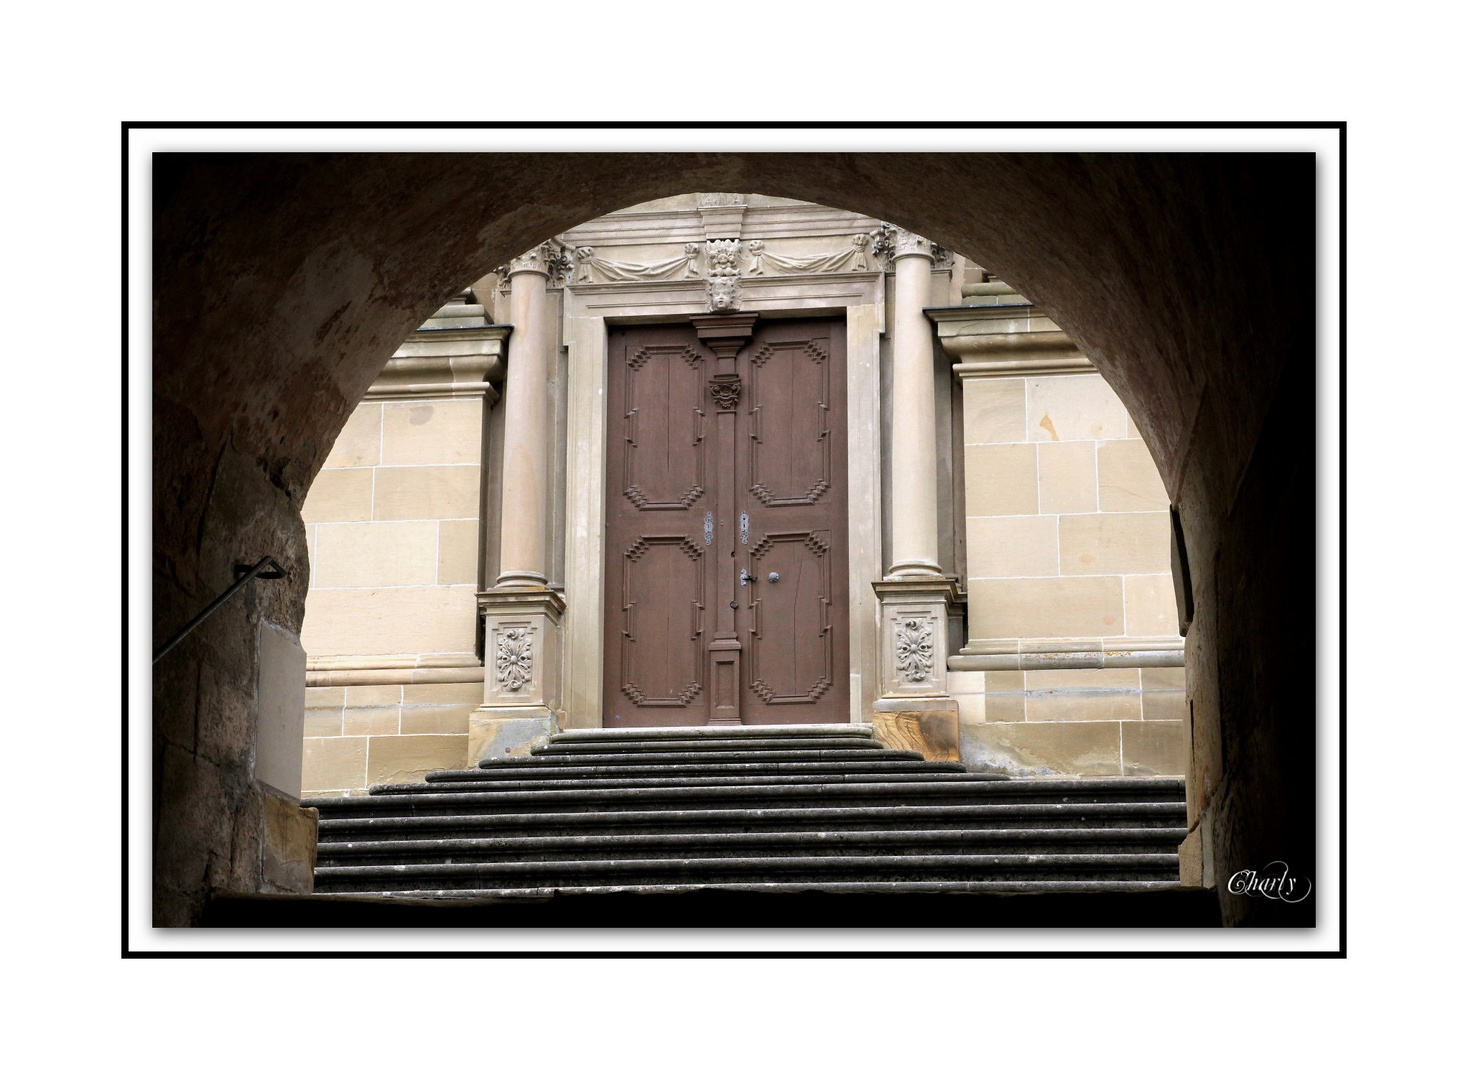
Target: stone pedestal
[[522, 661], [914, 711]]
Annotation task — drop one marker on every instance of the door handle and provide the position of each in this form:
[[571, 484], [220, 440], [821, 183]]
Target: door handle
[[744, 577], [774, 576]]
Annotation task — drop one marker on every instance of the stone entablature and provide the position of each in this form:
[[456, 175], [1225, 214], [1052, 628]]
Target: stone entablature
[[716, 237]]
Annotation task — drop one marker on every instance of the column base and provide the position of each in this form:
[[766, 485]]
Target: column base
[[927, 725], [499, 733], [915, 569]]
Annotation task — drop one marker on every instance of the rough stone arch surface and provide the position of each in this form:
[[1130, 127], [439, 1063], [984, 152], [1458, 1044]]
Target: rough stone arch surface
[[282, 283]]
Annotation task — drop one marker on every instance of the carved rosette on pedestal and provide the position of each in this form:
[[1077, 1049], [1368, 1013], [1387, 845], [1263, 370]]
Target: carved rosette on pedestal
[[522, 692], [915, 637], [514, 656], [914, 711], [913, 650]]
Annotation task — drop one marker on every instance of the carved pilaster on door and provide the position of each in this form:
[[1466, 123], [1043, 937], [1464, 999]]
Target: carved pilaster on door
[[724, 389]]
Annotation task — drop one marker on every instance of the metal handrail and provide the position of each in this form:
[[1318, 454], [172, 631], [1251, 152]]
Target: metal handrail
[[266, 568]]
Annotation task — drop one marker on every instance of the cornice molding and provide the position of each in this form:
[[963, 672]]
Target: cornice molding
[[456, 363], [1005, 340]]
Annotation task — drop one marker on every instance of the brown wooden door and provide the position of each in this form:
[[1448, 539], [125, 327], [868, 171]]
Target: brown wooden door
[[708, 499]]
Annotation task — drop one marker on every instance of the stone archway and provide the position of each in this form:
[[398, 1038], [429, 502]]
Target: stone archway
[[282, 283]]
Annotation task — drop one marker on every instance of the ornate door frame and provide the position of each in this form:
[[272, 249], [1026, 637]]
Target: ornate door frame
[[588, 309]]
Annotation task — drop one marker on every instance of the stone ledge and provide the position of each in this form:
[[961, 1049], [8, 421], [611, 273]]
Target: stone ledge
[[1035, 656], [917, 907]]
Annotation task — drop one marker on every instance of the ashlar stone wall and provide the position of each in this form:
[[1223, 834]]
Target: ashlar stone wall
[[393, 530], [1073, 662]]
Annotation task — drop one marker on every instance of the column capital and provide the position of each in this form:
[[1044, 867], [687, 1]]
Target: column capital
[[549, 260], [892, 242]]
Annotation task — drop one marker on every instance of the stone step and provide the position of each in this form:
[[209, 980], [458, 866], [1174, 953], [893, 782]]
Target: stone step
[[732, 769], [699, 746], [718, 734], [693, 757], [807, 889], [781, 809], [723, 844], [715, 871], [752, 798], [798, 819], [600, 779]]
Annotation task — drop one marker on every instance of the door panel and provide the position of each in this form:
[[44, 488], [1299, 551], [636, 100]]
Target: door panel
[[789, 478], [789, 420], [656, 569], [791, 654], [793, 481], [662, 622]]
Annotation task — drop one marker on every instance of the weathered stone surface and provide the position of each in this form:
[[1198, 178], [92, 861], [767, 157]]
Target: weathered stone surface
[[289, 852], [1044, 749], [934, 734], [1155, 748], [491, 738], [398, 759]]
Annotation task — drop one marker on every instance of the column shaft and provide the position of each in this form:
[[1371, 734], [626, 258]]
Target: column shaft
[[914, 430], [526, 475]]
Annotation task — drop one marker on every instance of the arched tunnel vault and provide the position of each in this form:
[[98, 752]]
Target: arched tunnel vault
[[282, 283]]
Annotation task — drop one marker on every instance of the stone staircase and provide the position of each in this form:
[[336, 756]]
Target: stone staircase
[[780, 810]]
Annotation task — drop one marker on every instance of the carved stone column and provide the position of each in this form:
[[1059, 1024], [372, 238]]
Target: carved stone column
[[522, 618], [914, 710]]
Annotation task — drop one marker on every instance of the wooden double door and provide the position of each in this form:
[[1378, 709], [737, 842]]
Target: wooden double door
[[726, 566]]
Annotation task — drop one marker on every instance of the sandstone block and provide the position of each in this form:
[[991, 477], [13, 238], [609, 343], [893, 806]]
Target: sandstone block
[[432, 432], [1151, 606], [458, 552], [339, 495], [1001, 480], [1045, 608], [360, 440], [1155, 748], [1128, 479], [334, 764], [993, 410], [1063, 408], [376, 553], [1013, 547], [1067, 477], [427, 492], [403, 759], [1115, 544]]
